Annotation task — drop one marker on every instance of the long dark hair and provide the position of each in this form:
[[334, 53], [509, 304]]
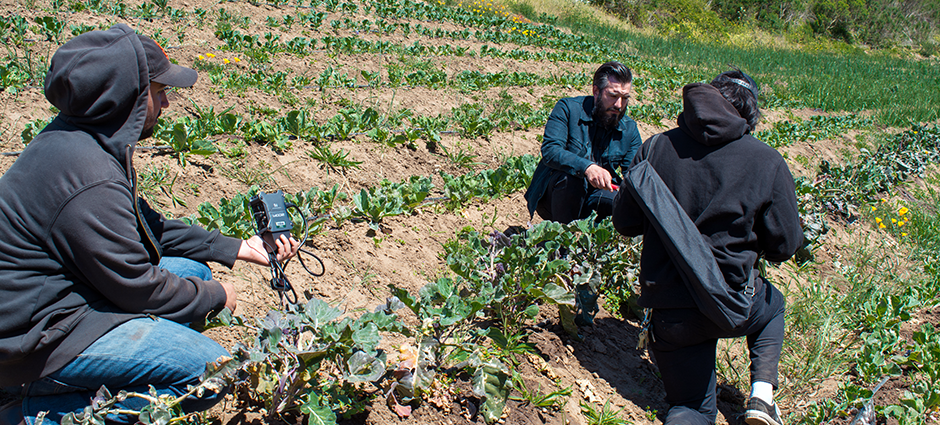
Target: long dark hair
[[742, 91]]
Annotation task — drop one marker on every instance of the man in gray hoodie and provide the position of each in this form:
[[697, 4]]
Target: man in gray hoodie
[[94, 285]]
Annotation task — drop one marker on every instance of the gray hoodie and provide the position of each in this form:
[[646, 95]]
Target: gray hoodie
[[80, 248]]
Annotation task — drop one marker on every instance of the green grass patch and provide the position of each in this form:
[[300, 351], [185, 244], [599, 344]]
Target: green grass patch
[[899, 91]]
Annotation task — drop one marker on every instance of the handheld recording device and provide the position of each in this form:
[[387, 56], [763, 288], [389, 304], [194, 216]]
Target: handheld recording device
[[270, 213]]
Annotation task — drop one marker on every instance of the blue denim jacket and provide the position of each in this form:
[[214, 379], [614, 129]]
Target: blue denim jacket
[[567, 146]]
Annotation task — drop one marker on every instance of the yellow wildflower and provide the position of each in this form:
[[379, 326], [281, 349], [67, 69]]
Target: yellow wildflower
[[903, 211], [210, 55], [873, 208], [201, 57], [878, 219], [881, 225], [901, 223], [225, 61], [236, 59], [894, 220], [903, 234]]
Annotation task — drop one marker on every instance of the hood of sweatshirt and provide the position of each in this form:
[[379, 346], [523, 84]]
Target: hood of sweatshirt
[[708, 118], [100, 83]]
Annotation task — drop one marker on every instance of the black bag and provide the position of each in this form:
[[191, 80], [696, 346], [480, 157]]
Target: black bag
[[687, 249]]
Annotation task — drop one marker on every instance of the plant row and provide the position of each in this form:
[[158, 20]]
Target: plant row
[[842, 189], [233, 217], [239, 79], [188, 135], [787, 132]]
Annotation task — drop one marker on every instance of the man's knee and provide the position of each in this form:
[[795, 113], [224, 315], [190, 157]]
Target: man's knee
[[682, 415], [184, 267]]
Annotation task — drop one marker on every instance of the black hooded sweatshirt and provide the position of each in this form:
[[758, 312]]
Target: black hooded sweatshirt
[[737, 190], [75, 262]]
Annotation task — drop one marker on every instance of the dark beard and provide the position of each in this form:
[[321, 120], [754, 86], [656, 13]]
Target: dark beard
[[607, 122]]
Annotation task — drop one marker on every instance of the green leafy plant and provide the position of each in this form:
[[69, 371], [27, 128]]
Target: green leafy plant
[[185, 141], [602, 416], [232, 217], [33, 128], [51, 27], [268, 133], [461, 155], [552, 400], [390, 199], [338, 159]]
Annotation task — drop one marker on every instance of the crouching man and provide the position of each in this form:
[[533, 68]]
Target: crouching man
[[95, 285]]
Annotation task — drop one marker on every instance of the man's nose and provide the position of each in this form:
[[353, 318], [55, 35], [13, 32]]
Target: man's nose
[[618, 103], [164, 100]]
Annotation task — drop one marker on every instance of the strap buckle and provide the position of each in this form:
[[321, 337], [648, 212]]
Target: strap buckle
[[750, 290]]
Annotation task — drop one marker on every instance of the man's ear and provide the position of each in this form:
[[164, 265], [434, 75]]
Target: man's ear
[[597, 91]]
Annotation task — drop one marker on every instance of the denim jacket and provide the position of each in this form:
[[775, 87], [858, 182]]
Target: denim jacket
[[567, 146]]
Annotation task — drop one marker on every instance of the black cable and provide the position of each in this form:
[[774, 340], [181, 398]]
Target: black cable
[[279, 281], [306, 221]]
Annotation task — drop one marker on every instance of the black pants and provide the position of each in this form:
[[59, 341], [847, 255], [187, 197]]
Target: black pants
[[569, 198], [684, 350]]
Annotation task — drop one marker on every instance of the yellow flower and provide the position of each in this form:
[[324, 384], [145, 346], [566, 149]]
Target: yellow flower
[[873, 208], [225, 61], [903, 234], [201, 57], [881, 225], [903, 211], [878, 219], [236, 59], [210, 55], [894, 220], [901, 223]]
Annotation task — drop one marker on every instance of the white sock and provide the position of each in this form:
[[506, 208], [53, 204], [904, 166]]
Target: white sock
[[763, 391]]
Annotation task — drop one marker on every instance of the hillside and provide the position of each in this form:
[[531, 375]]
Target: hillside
[[428, 118]]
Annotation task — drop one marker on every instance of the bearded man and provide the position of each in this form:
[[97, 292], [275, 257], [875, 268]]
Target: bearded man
[[589, 141]]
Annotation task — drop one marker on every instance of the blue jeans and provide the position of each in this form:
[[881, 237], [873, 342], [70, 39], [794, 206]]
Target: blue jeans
[[138, 353]]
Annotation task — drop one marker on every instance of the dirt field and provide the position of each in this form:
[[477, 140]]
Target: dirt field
[[359, 262]]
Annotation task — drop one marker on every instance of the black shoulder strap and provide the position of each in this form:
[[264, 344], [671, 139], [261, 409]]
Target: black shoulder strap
[[687, 249]]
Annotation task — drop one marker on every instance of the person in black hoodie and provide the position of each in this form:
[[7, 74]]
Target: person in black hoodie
[[740, 194], [94, 285]]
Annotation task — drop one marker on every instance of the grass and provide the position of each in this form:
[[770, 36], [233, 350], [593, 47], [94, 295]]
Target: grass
[[899, 90], [154, 180], [239, 170], [606, 415]]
